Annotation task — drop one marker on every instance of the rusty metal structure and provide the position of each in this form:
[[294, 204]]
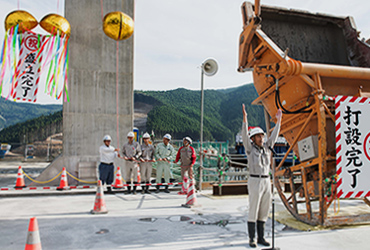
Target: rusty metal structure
[[300, 61]]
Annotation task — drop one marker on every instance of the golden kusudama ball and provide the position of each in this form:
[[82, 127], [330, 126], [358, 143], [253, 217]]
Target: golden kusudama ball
[[54, 22], [25, 20], [118, 26]]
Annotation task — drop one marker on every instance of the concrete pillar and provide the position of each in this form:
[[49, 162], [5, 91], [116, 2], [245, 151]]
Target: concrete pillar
[[91, 112]]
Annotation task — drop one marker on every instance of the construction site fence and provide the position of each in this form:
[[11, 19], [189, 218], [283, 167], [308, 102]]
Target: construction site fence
[[214, 148]]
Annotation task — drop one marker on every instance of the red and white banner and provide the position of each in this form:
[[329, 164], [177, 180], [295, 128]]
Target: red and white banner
[[352, 125], [28, 68]]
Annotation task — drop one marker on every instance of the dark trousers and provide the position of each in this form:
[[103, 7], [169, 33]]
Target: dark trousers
[[106, 173]]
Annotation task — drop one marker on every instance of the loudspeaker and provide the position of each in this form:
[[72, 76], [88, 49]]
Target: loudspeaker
[[210, 67]]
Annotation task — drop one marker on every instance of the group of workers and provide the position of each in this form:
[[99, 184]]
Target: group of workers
[[142, 157], [257, 148]]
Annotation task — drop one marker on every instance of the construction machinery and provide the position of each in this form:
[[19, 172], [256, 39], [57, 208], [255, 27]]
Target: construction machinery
[[300, 62]]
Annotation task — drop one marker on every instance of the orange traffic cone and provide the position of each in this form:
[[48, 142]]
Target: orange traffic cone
[[20, 179], [99, 205], [33, 236], [63, 181], [118, 183], [185, 184], [191, 199], [138, 174]]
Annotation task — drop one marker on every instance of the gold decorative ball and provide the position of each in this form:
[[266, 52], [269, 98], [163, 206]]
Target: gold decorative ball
[[25, 19], [54, 22], [118, 26]]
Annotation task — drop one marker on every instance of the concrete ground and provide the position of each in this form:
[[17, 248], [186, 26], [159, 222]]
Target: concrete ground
[[155, 221]]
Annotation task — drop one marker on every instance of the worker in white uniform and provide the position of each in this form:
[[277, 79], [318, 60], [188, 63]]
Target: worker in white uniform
[[259, 184], [106, 166], [131, 152], [164, 152], [146, 162]]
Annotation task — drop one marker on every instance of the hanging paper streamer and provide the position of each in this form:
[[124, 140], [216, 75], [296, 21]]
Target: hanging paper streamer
[[55, 67], [9, 60], [56, 61], [27, 57]]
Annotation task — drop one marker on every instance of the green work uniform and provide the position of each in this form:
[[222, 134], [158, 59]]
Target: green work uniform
[[162, 151]]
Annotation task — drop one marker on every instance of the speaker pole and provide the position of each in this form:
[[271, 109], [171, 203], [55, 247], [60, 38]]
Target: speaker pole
[[209, 68], [201, 129]]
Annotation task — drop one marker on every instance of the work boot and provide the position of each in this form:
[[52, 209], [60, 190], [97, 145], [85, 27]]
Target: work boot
[[157, 191], [109, 190], [134, 188], [143, 187], [252, 233], [260, 234], [147, 189], [166, 189], [129, 187]]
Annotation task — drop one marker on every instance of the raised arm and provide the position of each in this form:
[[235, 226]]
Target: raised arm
[[275, 133], [246, 141]]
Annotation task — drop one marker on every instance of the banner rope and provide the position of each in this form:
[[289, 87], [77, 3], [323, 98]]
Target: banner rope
[[41, 182], [92, 182], [77, 179], [117, 100], [101, 10]]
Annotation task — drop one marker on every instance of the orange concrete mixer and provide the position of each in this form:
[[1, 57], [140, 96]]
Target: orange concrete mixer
[[300, 62]]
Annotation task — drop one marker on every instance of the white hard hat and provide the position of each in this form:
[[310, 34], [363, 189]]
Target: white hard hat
[[188, 139], [146, 135], [107, 138], [255, 131], [130, 134], [167, 136]]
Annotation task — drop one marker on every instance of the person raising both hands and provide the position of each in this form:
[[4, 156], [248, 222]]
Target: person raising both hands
[[258, 153]]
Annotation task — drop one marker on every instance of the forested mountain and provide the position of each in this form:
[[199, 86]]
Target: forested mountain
[[178, 112], [175, 111], [13, 112], [36, 129]]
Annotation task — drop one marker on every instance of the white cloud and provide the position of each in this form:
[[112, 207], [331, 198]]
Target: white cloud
[[173, 37]]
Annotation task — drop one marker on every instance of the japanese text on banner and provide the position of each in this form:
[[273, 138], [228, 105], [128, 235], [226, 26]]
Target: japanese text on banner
[[28, 68], [353, 147]]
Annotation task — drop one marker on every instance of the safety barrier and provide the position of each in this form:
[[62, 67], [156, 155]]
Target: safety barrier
[[76, 187], [52, 179], [41, 182], [84, 187], [79, 180], [154, 184], [43, 188]]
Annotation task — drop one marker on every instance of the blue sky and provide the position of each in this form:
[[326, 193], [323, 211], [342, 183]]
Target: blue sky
[[173, 37]]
